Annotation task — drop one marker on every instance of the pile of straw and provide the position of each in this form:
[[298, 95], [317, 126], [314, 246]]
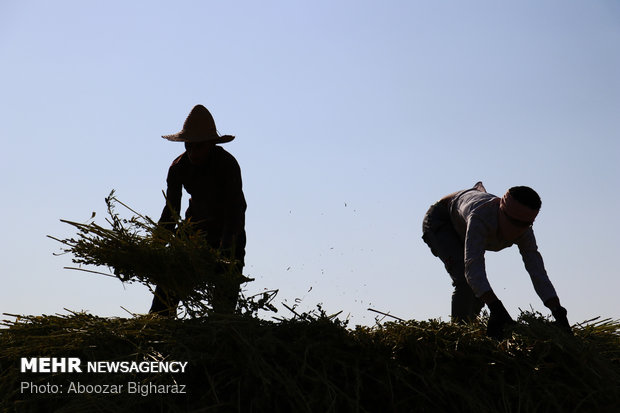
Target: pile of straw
[[317, 364]]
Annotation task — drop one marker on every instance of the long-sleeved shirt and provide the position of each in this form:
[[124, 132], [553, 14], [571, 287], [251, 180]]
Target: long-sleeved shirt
[[217, 204], [474, 215]]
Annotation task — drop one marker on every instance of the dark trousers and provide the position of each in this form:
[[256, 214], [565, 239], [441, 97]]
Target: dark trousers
[[224, 295], [225, 298], [446, 244]]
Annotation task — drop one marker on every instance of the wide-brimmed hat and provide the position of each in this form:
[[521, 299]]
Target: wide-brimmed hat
[[199, 127]]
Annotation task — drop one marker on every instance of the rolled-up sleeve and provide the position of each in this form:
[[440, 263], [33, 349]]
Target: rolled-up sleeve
[[535, 267]]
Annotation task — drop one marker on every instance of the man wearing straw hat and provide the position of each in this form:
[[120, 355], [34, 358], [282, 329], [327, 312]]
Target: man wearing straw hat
[[462, 226], [212, 177]]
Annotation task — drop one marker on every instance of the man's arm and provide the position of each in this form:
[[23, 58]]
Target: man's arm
[[234, 220], [475, 270], [535, 267], [174, 191], [488, 297], [542, 284]]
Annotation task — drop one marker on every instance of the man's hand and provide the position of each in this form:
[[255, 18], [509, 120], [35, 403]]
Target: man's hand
[[498, 320], [559, 313]]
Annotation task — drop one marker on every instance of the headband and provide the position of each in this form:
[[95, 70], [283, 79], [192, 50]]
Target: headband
[[516, 210]]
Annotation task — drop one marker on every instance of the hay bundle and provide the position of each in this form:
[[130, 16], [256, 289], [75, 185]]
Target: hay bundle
[[137, 249]]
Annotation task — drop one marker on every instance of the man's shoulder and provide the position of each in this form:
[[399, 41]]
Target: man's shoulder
[[527, 241], [178, 168], [179, 160], [479, 209], [223, 157], [222, 153]]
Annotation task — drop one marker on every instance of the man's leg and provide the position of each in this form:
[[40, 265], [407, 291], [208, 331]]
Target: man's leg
[[226, 291], [164, 303], [225, 296], [465, 305], [445, 243]]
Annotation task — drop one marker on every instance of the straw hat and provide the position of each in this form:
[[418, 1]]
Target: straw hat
[[199, 127]]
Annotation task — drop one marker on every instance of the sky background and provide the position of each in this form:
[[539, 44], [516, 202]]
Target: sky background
[[351, 118]]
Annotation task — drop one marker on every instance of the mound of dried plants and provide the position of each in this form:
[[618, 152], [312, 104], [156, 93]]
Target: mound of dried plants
[[315, 363]]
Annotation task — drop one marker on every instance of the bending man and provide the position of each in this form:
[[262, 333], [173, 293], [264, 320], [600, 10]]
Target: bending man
[[462, 226]]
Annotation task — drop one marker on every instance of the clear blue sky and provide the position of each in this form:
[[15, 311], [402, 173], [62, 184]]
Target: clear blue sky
[[351, 118]]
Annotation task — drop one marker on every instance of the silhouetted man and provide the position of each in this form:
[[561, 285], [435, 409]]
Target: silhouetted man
[[212, 178], [462, 226]]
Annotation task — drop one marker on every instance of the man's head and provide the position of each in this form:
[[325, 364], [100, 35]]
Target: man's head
[[198, 152], [518, 209]]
